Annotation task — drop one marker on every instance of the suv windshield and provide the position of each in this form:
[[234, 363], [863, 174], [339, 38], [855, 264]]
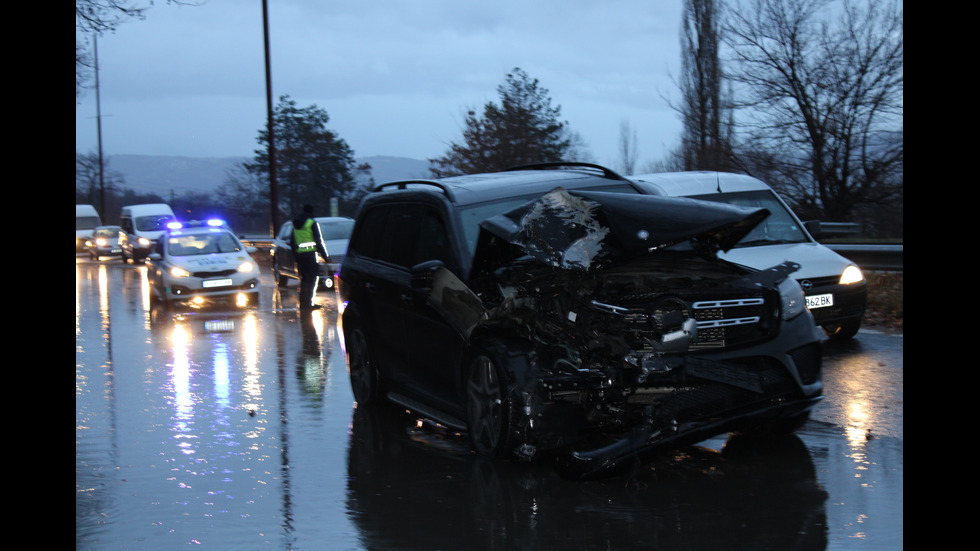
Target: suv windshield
[[778, 227], [202, 243]]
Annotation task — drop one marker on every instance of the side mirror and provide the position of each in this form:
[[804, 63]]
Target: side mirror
[[813, 228], [422, 275], [154, 256]]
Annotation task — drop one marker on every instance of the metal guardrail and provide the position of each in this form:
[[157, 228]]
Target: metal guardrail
[[872, 257]]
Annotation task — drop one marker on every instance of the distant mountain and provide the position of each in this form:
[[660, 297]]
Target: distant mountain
[[167, 175], [388, 169]]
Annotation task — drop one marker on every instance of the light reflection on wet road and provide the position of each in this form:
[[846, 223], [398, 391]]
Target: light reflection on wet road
[[237, 431]]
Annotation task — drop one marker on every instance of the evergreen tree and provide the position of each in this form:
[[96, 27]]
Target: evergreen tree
[[313, 164], [523, 128]]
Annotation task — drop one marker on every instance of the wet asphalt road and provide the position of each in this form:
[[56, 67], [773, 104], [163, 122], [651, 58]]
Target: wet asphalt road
[[238, 431]]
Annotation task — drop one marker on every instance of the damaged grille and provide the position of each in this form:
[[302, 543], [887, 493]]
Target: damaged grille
[[721, 322]]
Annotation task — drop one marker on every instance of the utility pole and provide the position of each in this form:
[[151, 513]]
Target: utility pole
[[273, 184], [98, 125]]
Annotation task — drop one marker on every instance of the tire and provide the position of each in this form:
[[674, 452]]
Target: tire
[[843, 330], [365, 379], [488, 410], [281, 280]]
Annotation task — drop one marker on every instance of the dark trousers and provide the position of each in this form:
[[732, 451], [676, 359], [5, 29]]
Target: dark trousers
[[308, 271]]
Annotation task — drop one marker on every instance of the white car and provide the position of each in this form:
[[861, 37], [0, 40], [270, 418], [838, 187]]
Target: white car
[[202, 263], [835, 287], [104, 242], [335, 232]]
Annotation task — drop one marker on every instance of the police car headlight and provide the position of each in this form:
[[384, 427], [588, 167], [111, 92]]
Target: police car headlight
[[851, 274], [792, 298], [144, 242], [179, 272], [246, 267]]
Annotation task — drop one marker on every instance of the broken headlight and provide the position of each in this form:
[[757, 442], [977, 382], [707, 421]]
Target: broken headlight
[[792, 299]]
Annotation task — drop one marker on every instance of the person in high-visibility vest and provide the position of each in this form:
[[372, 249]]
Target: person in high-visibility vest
[[306, 242]]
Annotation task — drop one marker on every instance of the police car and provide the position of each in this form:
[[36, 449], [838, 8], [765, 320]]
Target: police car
[[202, 262]]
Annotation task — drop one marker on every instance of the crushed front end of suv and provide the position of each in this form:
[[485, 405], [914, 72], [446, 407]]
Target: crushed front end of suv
[[583, 322]]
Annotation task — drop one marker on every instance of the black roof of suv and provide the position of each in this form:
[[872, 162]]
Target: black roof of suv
[[534, 179]]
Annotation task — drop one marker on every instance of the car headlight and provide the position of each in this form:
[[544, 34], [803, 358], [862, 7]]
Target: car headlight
[[144, 242], [101, 241], [851, 274], [177, 271], [246, 267], [792, 299]]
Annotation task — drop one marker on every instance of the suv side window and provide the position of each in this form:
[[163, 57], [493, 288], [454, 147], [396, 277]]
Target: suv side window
[[432, 242], [403, 235], [373, 239]]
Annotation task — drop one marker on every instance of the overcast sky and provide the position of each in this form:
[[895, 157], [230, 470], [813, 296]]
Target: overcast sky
[[395, 76]]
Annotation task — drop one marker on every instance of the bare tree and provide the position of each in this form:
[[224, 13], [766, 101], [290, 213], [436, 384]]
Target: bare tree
[[705, 110], [87, 180], [95, 17], [821, 84]]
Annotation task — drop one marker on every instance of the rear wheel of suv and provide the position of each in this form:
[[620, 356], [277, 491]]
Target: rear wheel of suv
[[488, 410], [365, 381]]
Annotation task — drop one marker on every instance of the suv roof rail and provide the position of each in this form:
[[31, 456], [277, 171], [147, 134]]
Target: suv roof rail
[[559, 165], [403, 184]]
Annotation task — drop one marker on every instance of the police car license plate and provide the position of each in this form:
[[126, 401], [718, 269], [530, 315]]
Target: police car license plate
[[219, 325], [217, 282], [820, 301]]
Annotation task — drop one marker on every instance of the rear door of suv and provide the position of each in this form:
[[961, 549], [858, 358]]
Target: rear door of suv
[[418, 350]]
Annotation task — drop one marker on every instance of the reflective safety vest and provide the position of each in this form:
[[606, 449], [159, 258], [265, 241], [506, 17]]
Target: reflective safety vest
[[305, 242]]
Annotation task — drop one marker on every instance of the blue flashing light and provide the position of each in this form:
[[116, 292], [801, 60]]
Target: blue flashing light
[[174, 225]]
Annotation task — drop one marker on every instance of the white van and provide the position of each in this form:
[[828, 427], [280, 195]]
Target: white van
[[142, 226], [836, 291], [86, 219]]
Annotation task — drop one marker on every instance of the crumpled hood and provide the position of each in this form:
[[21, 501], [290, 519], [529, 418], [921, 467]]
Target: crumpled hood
[[580, 230]]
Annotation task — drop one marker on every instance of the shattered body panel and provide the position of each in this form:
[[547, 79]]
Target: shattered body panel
[[618, 331]]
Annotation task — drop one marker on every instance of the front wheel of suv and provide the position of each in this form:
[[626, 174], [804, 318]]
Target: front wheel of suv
[[488, 410]]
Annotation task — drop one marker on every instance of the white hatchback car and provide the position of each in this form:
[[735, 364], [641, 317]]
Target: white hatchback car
[[202, 263], [835, 287]]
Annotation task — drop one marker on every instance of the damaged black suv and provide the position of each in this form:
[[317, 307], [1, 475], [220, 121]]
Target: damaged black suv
[[557, 310]]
